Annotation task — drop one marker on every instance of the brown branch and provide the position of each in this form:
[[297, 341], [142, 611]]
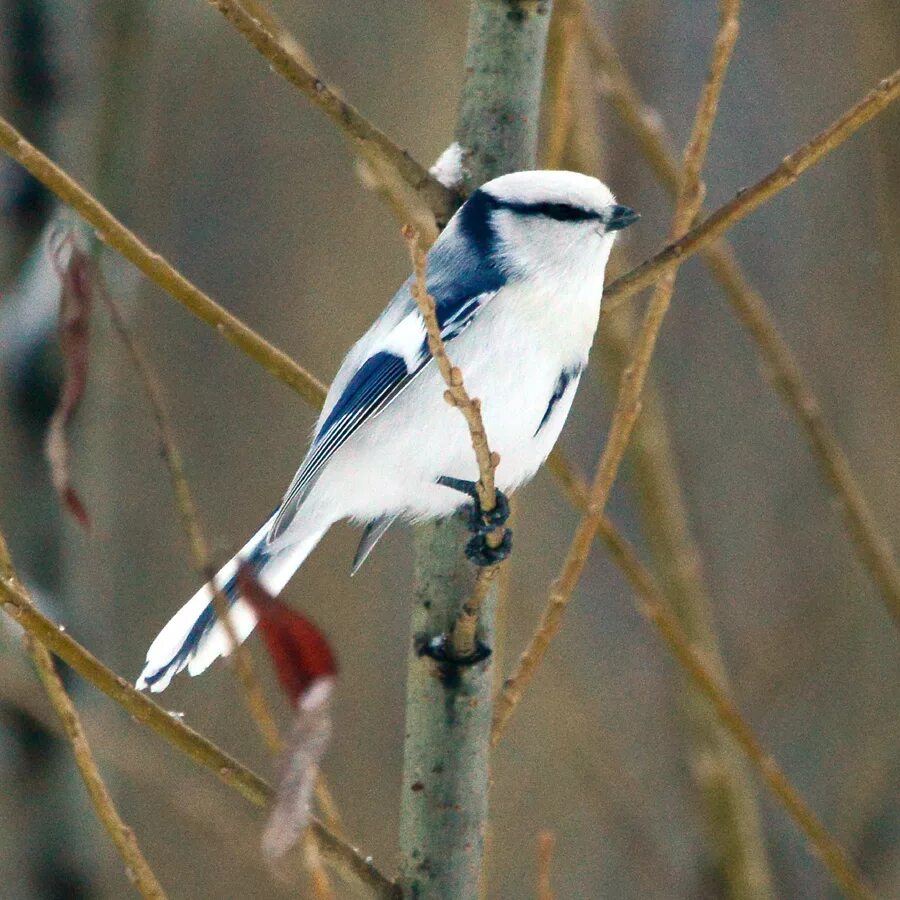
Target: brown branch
[[787, 375], [340, 856], [114, 234], [790, 381], [746, 201], [546, 846], [654, 608], [561, 46], [136, 866], [653, 605], [362, 134], [732, 817], [277, 363], [462, 637], [632, 381], [187, 510]]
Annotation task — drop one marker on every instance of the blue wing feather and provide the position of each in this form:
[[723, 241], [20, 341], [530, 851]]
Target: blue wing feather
[[461, 282]]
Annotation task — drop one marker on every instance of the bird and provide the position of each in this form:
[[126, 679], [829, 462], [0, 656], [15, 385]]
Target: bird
[[517, 278]]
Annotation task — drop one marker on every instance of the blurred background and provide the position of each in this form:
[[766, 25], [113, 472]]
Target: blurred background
[[189, 138]]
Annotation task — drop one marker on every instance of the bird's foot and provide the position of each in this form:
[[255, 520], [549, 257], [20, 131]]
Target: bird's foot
[[479, 551], [483, 523]]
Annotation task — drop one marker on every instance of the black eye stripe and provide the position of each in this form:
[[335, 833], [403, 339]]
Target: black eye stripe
[[562, 212]]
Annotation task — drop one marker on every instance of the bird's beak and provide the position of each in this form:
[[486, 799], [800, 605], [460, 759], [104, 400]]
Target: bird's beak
[[621, 217]]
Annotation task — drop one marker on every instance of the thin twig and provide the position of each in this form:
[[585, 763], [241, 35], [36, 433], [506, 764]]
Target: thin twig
[[732, 817], [268, 18], [653, 605], [632, 381], [114, 234], [654, 608], [341, 856], [462, 637], [187, 511], [545, 848], [277, 363], [746, 201], [787, 375], [361, 133], [561, 46], [136, 866]]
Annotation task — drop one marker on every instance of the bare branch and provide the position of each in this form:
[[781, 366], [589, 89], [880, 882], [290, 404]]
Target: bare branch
[[187, 510], [136, 866], [561, 47], [633, 376], [114, 234], [546, 846], [345, 861], [365, 137], [750, 199], [788, 377], [653, 605], [462, 637]]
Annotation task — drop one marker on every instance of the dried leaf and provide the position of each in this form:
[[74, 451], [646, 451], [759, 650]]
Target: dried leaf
[[306, 669], [309, 738], [77, 277], [298, 649]]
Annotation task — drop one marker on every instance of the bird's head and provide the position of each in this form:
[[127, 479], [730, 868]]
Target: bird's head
[[544, 221]]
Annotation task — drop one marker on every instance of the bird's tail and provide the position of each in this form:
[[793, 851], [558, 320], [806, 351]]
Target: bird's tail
[[193, 638]]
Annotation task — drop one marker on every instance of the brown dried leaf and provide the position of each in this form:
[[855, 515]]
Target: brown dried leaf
[[77, 278], [309, 738]]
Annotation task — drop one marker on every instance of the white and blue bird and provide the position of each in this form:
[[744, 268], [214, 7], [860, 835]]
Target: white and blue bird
[[517, 277]]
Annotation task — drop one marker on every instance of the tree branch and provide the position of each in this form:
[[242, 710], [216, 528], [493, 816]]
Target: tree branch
[[463, 632], [345, 861], [444, 803], [872, 545], [732, 820], [631, 386], [652, 604], [365, 137], [114, 234], [251, 689], [746, 201], [136, 866]]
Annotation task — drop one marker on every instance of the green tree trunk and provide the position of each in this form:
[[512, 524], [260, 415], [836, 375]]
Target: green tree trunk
[[448, 714]]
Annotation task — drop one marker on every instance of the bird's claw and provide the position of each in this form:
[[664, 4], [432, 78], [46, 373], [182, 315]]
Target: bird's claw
[[483, 523], [480, 521], [481, 553]]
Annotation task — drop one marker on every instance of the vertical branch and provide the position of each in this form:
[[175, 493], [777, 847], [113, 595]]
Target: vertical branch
[[136, 866], [445, 778], [786, 374], [733, 825]]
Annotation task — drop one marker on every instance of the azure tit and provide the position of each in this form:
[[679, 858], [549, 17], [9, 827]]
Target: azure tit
[[517, 277]]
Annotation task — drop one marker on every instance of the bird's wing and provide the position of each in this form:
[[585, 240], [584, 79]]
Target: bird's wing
[[382, 364]]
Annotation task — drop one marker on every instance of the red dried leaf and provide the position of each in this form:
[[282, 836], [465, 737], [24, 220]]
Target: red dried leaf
[[306, 669], [77, 277], [298, 649]]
